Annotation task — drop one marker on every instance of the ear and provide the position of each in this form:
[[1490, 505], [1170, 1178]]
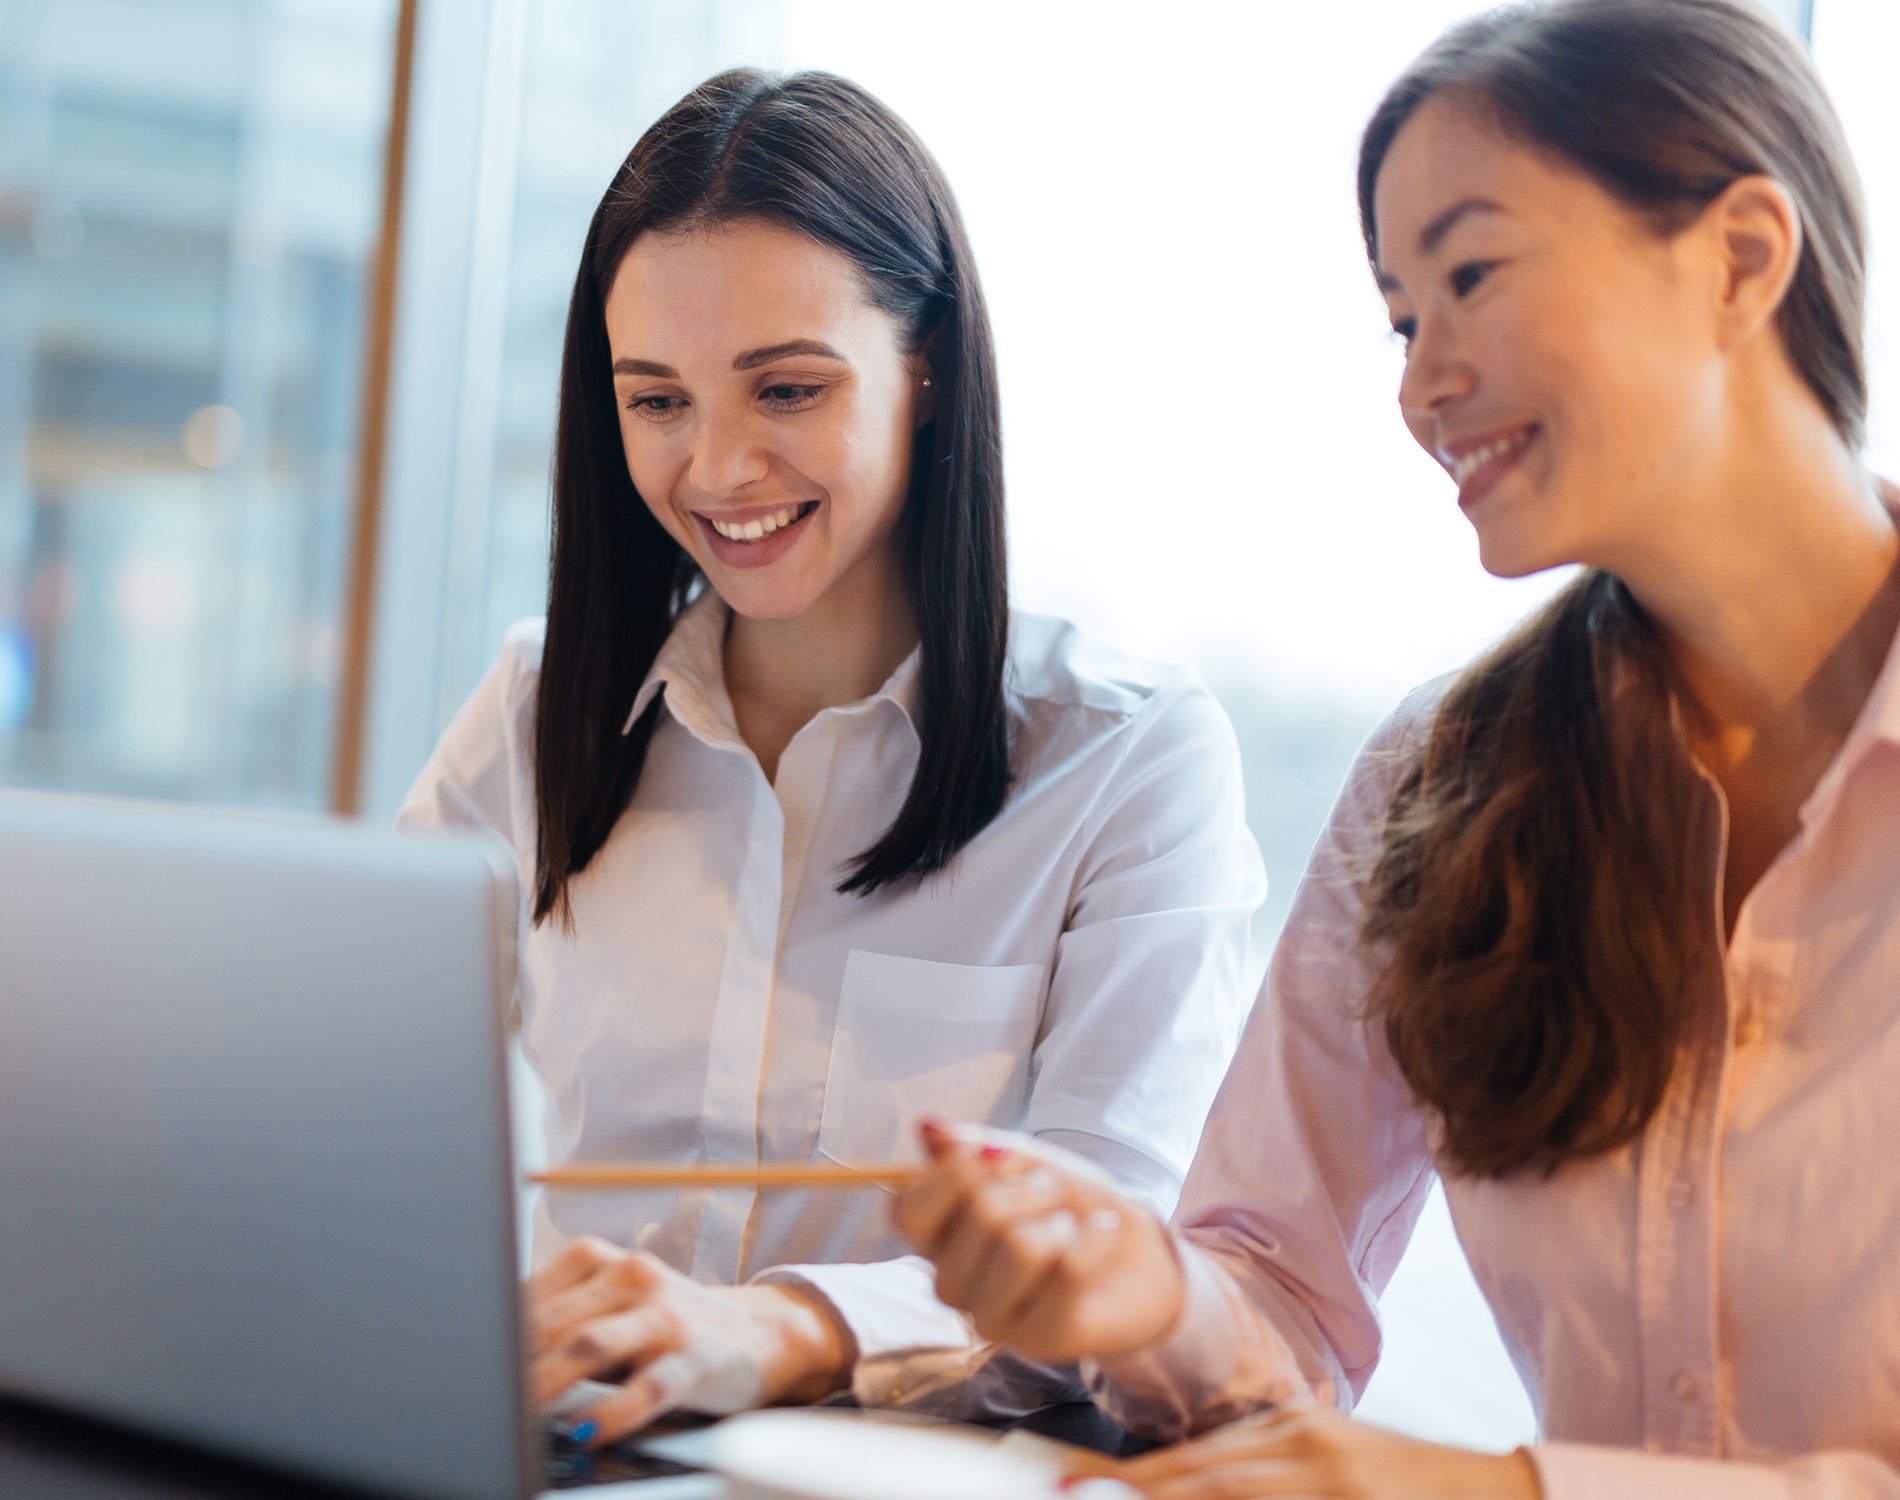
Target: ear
[[924, 391], [1757, 235]]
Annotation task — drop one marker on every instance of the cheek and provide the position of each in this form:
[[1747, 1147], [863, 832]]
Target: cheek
[[653, 470], [863, 461]]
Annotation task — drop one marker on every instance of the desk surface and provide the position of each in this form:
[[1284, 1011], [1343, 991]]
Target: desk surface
[[47, 1455]]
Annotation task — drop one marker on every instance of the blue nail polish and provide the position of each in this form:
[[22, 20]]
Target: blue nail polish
[[584, 1431]]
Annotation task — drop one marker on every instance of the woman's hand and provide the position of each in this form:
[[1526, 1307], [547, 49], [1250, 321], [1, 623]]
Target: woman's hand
[[626, 1317], [1313, 1451], [1036, 1246]]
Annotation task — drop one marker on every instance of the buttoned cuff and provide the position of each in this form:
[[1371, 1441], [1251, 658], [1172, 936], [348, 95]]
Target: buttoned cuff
[[888, 1305], [1584, 1471]]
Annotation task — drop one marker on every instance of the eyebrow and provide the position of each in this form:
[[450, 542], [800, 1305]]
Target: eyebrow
[[750, 360], [1433, 234], [757, 357]]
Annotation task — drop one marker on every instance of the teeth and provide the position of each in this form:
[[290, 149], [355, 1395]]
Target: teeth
[[1463, 468], [751, 531]]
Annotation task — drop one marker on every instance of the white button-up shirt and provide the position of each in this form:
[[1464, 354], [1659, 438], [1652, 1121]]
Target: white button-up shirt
[[1079, 971], [1711, 1312]]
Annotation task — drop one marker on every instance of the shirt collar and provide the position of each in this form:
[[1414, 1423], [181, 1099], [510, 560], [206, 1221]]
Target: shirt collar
[[691, 667], [1880, 715]]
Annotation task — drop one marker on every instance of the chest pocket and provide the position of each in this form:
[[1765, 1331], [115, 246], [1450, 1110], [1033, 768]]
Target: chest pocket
[[918, 1038]]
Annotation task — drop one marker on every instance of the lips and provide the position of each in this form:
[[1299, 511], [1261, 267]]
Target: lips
[[1476, 464], [758, 537]]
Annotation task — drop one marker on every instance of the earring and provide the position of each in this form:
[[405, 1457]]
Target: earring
[[926, 380]]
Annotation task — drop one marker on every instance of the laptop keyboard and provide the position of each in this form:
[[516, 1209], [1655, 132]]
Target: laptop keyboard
[[566, 1465]]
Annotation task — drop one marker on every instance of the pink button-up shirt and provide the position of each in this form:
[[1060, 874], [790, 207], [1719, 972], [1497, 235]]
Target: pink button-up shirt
[[1713, 1310]]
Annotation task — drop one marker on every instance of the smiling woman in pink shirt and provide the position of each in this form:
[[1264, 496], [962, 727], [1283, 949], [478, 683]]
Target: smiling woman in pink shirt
[[1605, 932]]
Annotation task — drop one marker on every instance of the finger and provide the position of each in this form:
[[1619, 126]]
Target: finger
[[686, 1378], [1243, 1480], [618, 1287], [643, 1398], [602, 1344], [962, 1258], [576, 1263], [1029, 1253], [924, 1211], [1049, 1314], [982, 1232], [1268, 1437], [970, 1242], [1100, 1235]]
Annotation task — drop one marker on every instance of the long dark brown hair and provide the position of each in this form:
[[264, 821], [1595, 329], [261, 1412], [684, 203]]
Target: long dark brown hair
[[1541, 884], [822, 157]]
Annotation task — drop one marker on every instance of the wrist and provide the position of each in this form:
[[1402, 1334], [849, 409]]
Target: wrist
[[1517, 1476], [816, 1351], [1172, 1283]]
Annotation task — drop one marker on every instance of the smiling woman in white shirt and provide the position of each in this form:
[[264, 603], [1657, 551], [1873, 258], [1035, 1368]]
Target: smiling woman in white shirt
[[817, 836]]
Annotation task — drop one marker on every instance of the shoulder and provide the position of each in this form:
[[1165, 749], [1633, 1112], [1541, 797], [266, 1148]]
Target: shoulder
[[1387, 757], [1071, 693], [521, 649], [499, 714], [1057, 665], [517, 669]]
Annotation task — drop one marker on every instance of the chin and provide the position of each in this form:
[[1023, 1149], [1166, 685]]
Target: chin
[[1505, 556], [764, 604]]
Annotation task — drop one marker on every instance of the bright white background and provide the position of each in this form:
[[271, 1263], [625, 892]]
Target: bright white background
[[1204, 454]]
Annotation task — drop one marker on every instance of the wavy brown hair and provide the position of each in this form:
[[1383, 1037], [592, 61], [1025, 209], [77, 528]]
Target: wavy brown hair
[[1541, 884]]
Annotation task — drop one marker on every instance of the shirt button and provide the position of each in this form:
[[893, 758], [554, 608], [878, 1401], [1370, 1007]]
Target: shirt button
[[1681, 1193], [1684, 1386]]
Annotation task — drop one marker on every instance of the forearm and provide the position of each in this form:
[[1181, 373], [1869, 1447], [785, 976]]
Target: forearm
[[1221, 1360], [1581, 1471], [908, 1350]]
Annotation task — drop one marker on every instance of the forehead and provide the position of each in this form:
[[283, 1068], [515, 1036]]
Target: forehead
[[747, 282], [1449, 151]]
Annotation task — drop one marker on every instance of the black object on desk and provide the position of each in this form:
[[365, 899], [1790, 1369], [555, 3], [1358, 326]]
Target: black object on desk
[[51, 1455]]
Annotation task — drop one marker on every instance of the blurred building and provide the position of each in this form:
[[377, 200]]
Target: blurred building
[[188, 202]]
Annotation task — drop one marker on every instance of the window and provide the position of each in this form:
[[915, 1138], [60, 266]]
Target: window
[[188, 197]]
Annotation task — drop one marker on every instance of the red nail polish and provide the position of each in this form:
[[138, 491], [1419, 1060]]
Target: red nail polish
[[992, 1153]]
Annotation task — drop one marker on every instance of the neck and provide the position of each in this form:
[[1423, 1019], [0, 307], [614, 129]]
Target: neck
[[1778, 596], [780, 674]]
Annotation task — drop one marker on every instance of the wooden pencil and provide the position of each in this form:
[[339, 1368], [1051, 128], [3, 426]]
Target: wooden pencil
[[775, 1174]]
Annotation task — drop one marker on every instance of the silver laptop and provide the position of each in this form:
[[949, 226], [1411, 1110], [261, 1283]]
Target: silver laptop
[[255, 1178]]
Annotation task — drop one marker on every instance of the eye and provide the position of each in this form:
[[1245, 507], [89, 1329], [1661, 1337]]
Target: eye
[[788, 397], [1465, 278], [657, 407], [1405, 330]]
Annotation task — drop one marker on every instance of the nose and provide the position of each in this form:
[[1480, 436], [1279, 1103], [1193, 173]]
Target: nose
[[1437, 374], [726, 453]]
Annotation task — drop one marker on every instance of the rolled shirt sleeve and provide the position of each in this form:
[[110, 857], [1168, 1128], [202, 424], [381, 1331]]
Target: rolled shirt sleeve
[[1311, 1173]]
